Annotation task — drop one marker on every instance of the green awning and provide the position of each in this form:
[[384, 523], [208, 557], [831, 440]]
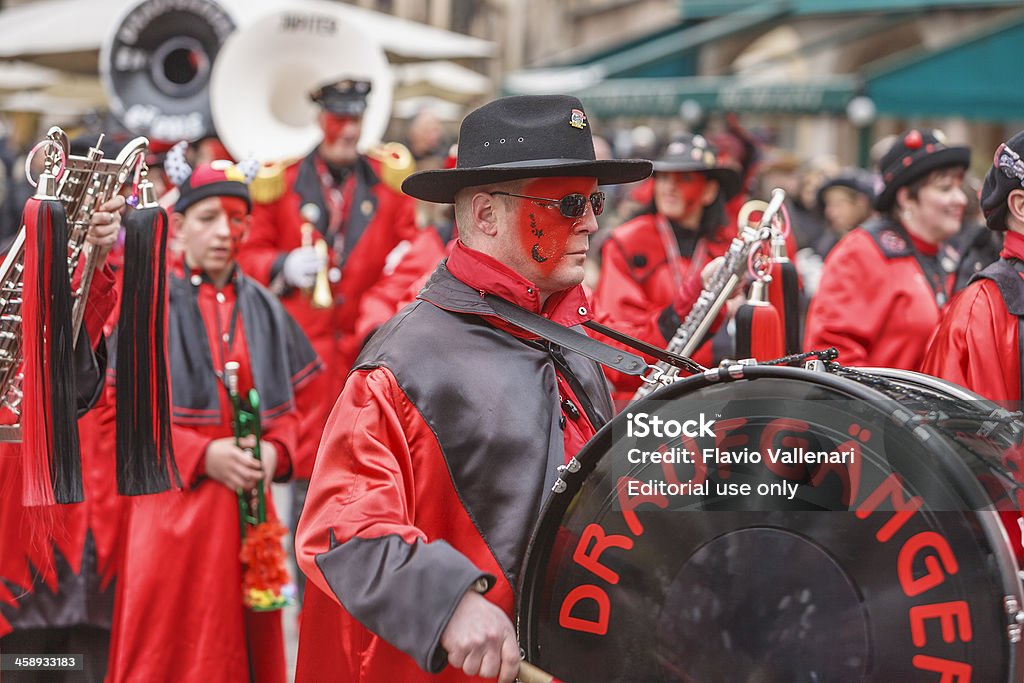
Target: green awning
[[979, 78], [665, 96], [669, 53], [715, 8]]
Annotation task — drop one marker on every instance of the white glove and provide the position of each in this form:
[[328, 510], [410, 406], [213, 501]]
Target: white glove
[[301, 266]]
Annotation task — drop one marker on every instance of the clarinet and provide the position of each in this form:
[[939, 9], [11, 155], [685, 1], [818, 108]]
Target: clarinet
[[690, 333]]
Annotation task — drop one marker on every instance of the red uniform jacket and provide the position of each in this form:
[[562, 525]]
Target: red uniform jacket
[[378, 218], [638, 294], [875, 303], [63, 579], [977, 344], [432, 471], [179, 615]]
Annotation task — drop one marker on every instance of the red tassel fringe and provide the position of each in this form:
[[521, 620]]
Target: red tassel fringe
[[758, 332], [52, 472]]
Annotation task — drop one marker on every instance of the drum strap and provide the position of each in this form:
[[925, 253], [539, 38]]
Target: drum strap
[[1006, 273], [675, 360], [616, 359]]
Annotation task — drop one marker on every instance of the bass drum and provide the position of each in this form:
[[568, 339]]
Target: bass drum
[[817, 526]]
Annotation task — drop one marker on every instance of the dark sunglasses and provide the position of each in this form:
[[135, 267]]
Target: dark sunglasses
[[571, 205]]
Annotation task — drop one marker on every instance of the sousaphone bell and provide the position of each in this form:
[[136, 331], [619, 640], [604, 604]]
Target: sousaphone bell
[[261, 81], [156, 65]]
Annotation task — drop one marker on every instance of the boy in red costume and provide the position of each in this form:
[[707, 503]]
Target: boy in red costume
[[179, 614]]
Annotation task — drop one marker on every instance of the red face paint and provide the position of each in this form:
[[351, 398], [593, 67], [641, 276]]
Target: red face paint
[[211, 232], [235, 212], [334, 126], [546, 237], [679, 196]]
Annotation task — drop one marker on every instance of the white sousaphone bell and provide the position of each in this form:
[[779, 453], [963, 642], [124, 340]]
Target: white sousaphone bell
[[265, 72]]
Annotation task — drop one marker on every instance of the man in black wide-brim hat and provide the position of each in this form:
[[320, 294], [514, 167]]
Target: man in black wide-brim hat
[[450, 428]]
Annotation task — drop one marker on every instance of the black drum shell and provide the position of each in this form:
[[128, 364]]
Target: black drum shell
[[749, 566]]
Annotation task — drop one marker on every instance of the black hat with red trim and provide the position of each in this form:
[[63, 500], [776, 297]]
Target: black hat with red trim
[[218, 178], [914, 155]]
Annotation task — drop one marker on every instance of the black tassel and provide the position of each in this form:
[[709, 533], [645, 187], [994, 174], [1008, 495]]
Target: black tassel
[[145, 458], [785, 295]]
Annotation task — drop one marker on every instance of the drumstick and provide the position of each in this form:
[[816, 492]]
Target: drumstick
[[528, 673]]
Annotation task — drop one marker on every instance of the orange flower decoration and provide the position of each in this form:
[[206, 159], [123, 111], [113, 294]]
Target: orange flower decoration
[[263, 558]]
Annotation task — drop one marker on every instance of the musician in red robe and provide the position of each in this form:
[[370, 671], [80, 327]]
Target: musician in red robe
[[445, 439], [651, 266], [179, 614], [360, 218], [884, 286]]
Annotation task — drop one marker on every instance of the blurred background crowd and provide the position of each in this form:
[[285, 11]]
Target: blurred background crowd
[[799, 93]]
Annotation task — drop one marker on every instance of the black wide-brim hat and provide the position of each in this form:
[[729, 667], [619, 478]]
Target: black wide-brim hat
[[695, 153], [527, 136], [914, 155]]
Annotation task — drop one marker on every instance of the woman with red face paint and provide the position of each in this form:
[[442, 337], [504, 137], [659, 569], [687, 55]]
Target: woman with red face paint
[[451, 427], [885, 284], [179, 614], [651, 266]]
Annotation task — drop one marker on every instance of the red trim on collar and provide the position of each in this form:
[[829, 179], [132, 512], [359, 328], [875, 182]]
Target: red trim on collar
[[1013, 245], [926, 248], [485, 274]]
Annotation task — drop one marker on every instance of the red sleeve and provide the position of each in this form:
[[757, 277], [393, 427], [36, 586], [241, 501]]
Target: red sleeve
[[262, 246], [189, 453], [976, 344], [283, 432], [363, 486], [358, 540], [852, 303], [100, 304]]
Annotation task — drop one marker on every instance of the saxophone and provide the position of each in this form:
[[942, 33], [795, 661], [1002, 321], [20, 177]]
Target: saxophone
[[698, 321]]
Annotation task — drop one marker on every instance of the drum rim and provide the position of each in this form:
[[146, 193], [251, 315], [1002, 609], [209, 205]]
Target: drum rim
[[536, 557]]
